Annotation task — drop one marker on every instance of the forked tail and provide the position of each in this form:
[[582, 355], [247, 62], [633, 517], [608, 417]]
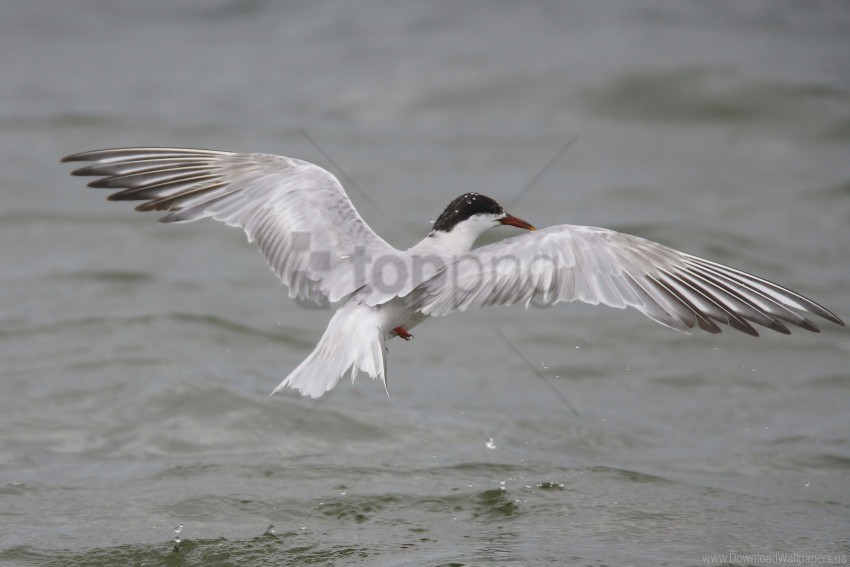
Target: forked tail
[[352, 342]]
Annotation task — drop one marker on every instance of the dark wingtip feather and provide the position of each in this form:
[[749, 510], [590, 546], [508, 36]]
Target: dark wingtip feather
[[823, 312], [830, 316], [779, 328], [808, 325], [83, 171], [708, 326], [82, 156], [742, 326], [103, 183], [127, 195]]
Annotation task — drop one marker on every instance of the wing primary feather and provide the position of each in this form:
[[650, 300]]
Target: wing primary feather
[[179, 200], [653, 309], [149, 178], [791, 298], [137, 166], [198, 211], [129, 154], [732, 319], [679, 306], [691, 298], [729, 303], [740, 304], [766, 302], [170, 188]]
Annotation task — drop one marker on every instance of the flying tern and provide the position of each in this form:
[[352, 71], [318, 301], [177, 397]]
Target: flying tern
[[313, 238]]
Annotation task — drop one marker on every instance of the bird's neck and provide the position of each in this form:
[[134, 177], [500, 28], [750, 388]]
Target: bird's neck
[[452, 243]]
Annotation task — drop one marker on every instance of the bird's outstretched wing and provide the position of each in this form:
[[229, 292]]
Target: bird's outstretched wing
[[595, 265], [297, 213]]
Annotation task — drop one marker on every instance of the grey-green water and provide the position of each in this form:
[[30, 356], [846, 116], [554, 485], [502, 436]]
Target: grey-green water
[[136, 358]]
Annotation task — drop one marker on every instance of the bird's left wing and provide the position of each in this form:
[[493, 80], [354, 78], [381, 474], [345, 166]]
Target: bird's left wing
[[298, 214], [595, 265]]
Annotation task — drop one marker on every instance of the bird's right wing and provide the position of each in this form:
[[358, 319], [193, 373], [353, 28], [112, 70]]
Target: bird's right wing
[[595, 265], [297, 213]]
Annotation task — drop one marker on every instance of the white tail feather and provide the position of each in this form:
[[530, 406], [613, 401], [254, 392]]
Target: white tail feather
[[353, 340]]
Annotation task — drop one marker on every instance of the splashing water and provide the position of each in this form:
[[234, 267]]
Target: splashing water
[[177, 540]]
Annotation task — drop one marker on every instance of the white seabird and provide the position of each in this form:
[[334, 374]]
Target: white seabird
[[318, 245]]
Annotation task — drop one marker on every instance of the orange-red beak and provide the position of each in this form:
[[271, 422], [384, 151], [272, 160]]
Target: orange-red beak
[[511, 220]]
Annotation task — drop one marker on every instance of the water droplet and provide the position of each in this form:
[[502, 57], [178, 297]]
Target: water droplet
[[490, 444]]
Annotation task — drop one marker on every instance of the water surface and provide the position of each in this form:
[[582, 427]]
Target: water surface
[[136, 358]]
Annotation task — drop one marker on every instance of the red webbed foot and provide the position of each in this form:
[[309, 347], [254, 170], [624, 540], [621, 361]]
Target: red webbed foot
[[402, 332]]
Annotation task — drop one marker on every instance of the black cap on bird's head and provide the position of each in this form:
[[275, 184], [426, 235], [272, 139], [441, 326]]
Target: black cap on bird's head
[[471, 204]]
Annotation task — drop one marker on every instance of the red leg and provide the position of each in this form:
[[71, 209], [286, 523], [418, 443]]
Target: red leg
[[402, 332]]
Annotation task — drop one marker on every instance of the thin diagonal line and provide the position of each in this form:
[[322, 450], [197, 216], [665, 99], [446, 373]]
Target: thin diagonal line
[[347, 178], [544, 169], [536, 372]]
